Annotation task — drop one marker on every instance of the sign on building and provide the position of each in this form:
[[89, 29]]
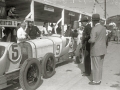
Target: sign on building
[[71, 13], [8, 23], [49, 8]]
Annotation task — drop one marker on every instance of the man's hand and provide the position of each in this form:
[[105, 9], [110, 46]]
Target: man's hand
[[28, 37]]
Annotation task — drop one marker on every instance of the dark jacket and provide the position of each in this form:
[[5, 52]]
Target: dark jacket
[[58, 30], [33, 32], [86, 36]]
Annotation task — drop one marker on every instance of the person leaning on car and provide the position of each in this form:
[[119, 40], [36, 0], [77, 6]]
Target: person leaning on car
[[21, 34], [33, 31]]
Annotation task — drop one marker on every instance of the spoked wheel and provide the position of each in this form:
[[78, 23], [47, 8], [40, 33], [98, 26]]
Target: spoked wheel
[[30, 74], [48, 65]]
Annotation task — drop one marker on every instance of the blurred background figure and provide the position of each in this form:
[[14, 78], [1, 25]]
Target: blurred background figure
[[107, 35], [58, 30], [118, 35], [68, 31], [45, 31], [79, 51], [114, 33], [4, 38], [53, 28], [11, 14]]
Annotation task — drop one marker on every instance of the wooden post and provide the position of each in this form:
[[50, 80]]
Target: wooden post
[[105, 12], [0, 33], [63, 11], [80, 19], [32, 10], [95, 8], [105, 9]]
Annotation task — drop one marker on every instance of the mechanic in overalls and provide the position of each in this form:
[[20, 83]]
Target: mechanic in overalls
[[33, 31]]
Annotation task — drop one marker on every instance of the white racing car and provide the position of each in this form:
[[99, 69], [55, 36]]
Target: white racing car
[[31, 59]]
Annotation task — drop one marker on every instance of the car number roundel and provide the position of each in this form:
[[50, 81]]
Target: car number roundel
[[14, 52]]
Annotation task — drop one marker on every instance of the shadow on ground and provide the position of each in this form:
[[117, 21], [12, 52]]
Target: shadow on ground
[[118, 74], [81, 67], [64, 62], [117, 86], [15, 85]]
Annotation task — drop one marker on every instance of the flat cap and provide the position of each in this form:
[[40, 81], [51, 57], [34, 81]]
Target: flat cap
[[84, 19]]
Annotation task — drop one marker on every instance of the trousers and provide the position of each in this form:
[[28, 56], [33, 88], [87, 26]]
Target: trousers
[[96, 67], [87, 62]]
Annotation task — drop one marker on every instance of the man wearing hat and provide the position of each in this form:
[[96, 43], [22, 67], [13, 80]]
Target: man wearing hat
[[98, 49], [85, 44]]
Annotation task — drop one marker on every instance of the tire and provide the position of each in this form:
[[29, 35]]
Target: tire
[[48, 65], [30, 74]]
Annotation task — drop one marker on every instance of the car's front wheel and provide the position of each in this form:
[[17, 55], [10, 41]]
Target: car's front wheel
[[48, 65], [30, 74]]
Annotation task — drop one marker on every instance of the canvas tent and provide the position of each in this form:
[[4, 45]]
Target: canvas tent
[[87, 7], [91, 6]]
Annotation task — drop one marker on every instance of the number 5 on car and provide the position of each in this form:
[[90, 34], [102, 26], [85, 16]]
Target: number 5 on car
[[14, 53]]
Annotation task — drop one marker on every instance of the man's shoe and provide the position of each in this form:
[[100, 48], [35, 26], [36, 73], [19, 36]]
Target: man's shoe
[[92, 83]]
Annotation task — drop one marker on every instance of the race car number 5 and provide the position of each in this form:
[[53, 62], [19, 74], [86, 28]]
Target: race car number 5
[[14, 52]]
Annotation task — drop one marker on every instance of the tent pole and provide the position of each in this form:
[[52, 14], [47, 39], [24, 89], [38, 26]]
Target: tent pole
[[32, 9], [63, 11], [105, 11]]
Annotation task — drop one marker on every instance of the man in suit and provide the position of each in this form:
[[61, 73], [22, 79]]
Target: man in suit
[[86, 44], [98, 49]]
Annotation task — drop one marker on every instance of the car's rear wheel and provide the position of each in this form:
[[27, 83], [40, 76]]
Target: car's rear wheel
[[48, 65], [30, 74]]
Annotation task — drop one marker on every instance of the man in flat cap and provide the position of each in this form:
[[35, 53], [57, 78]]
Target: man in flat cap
[[98, 49], [86, 45]]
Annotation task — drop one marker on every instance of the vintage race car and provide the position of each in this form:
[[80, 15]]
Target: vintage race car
[[29, 60]]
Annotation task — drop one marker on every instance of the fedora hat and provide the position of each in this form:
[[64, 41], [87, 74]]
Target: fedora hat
[[84, 19], [95, 17]]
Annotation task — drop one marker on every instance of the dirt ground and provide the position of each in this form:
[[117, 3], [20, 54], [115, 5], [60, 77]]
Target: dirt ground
[[68, 75]]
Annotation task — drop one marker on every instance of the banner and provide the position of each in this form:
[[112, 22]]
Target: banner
[[8, 23]]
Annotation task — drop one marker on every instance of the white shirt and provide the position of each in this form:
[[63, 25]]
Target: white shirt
[[21, 34], [107, 32], [80, 33], [45, 30]]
